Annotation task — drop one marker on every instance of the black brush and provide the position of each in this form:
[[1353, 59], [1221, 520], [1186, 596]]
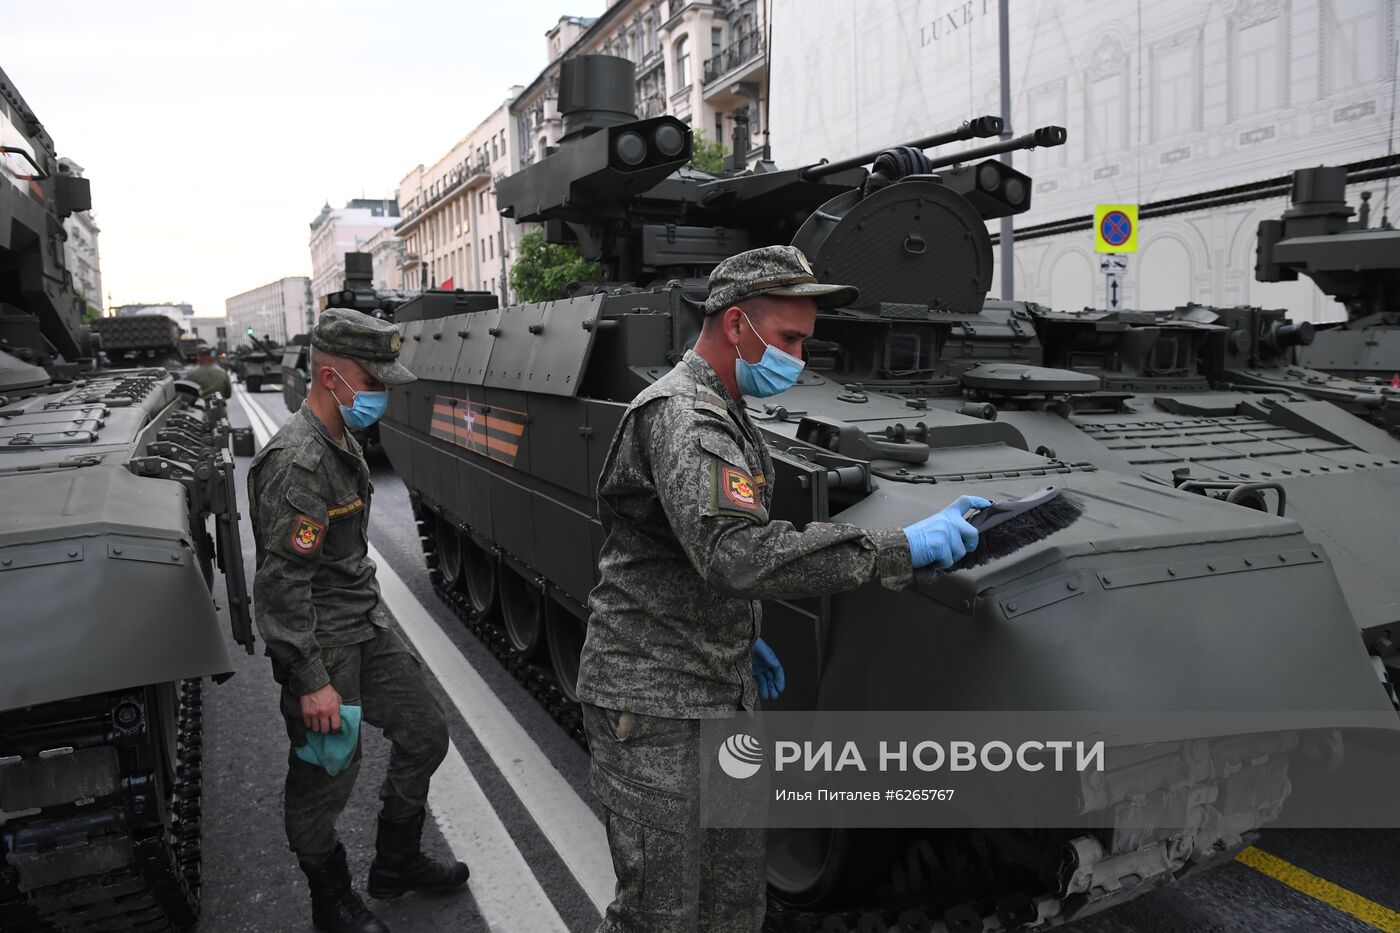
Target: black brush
[[1006, 526]]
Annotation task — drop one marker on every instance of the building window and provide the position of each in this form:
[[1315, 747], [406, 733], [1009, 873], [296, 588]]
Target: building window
[[1256, 68], [716, 41], [1175, 87], [1354, 43], [719, 128], [1106, 99], [682, 62]]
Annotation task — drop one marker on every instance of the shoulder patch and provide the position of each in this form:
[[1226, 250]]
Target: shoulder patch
[[738, 487], [307, 535]]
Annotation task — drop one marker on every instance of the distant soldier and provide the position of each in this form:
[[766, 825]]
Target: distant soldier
[[318, 607], [689, 550], [209, 376]]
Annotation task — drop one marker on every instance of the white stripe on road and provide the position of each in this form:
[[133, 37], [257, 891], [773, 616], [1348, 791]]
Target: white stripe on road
[[507, 893], [571, 827], [566, 821]]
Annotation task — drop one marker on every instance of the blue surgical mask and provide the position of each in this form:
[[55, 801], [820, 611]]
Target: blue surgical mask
[[368, 407], [774, 373]]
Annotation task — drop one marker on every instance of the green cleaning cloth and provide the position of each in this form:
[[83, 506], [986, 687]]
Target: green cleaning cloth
[[333, 750]]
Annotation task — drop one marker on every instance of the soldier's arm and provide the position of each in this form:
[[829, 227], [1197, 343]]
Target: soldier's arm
[[293, 524], [712, 504]]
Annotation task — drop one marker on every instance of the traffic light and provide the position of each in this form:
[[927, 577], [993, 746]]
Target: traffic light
[[250, 332]]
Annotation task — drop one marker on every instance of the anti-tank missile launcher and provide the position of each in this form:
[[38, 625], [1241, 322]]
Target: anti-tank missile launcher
[[502, 438]]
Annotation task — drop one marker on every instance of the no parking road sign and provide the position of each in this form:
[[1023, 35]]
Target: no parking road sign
[[1115, 228]]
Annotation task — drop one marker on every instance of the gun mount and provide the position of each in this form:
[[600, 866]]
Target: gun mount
[[1355, 263], [619, 188]]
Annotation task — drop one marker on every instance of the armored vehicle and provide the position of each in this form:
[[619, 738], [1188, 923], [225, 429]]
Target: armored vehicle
[[108, 477], [295, 359], [1205, 400], [140, 340], [258, 363], [1352, 261], [1158, 599]]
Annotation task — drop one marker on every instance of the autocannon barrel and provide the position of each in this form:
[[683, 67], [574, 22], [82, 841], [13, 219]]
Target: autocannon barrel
[[977, 127], [1045, 136]]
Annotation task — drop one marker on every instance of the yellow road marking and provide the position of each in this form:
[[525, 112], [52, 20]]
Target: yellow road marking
[[1334, 895]]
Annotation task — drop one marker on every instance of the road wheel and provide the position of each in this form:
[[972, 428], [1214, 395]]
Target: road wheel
[[448, 542], [566, 632], [523, 611], [479, 574]]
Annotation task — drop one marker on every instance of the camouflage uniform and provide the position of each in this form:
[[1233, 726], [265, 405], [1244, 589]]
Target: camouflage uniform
[[211, 379], [318, 608], [683, 497]]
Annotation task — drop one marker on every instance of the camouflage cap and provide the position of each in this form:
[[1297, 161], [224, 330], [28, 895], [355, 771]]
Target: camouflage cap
[[780, 271], [369, 341]]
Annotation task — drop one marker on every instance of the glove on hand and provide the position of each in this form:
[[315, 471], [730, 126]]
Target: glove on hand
[[944, 538], [767, 671]]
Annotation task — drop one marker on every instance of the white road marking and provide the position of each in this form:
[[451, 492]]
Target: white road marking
[[566, 821], [571, 827], [506, 890]]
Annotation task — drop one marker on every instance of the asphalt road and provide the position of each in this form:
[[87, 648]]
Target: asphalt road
[[517, 808]]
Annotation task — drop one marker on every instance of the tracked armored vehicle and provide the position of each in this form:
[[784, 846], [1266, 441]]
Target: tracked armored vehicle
[[1159, 599], [295, 359], [108, 478], [1206, 400], [1351, 261], [258, 363]]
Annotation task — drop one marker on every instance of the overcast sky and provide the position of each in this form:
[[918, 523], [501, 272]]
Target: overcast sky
[[214, 132]]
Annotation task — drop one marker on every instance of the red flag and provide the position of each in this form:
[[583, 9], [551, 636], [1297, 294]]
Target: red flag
[[447, 285], [1395, 381]]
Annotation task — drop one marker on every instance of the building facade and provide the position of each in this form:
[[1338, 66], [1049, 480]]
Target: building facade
[[276, 311], [337, 231], [1160, 101], [80, 254], [452, 235], [706, 63], [210, 330], [386, 252]]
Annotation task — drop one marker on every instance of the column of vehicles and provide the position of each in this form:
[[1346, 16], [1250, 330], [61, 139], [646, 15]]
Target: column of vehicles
[[111, 469], [1232, 555]]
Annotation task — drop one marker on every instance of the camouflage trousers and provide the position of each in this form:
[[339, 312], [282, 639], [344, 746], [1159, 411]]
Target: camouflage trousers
[[386, 680], [673, 876]]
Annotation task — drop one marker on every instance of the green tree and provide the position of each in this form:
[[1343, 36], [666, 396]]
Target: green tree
[[91, 313], [541, 270], [707, 155]]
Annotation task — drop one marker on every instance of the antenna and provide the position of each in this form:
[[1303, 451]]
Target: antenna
[[1390, 147]]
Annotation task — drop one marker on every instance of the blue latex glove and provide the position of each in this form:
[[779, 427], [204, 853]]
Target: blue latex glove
[[767, 671], [944, 538], [333, 751]]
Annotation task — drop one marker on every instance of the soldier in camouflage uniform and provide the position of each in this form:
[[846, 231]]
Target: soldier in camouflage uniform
[[317, 605], [674, 632], [211, 378]]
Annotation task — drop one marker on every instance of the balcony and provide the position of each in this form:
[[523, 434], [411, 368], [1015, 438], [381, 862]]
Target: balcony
[[464, 174], [735, 62]]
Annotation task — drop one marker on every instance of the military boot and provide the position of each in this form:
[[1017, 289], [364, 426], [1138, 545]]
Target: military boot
[[400, 866], [335, 907]]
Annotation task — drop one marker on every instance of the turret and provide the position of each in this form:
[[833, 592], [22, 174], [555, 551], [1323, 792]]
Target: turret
[[619, 188], [1357, 265]]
